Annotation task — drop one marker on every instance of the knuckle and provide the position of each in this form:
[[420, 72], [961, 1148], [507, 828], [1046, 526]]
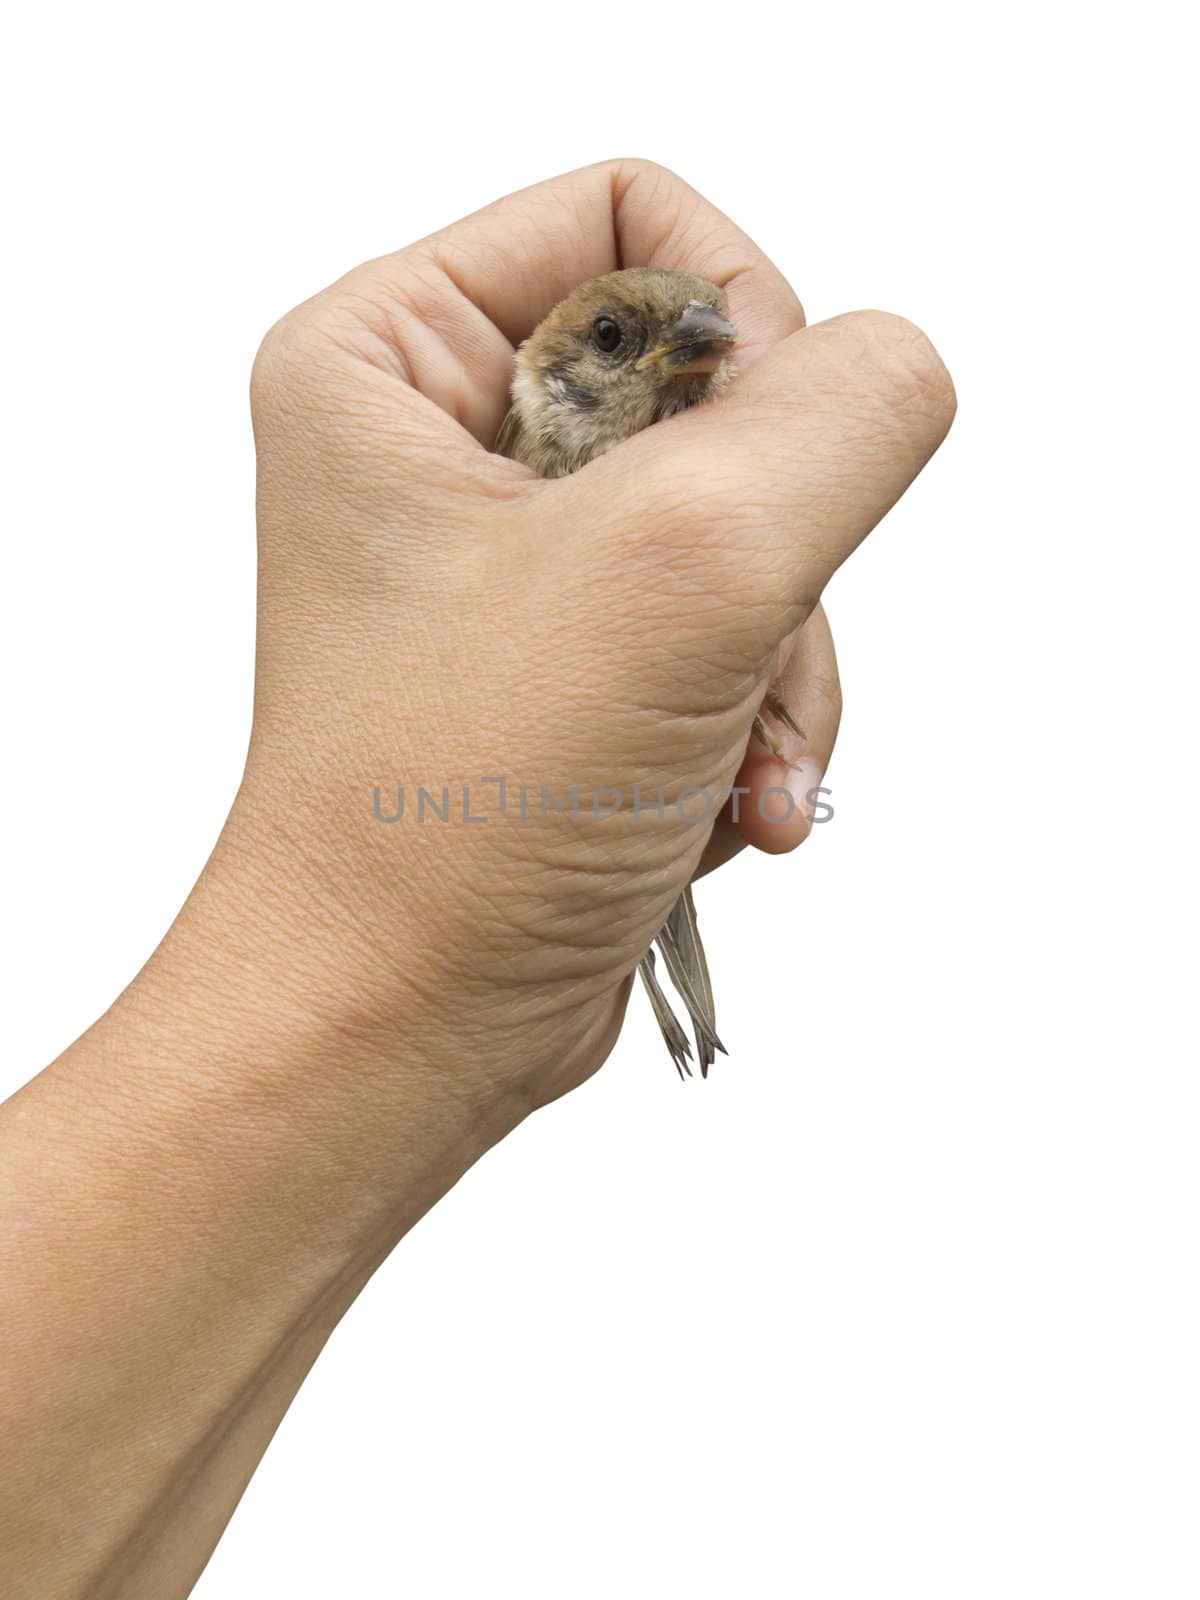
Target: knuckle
[[299, 369], [663, 200], [643, 170], [276, 343], [276, 361]]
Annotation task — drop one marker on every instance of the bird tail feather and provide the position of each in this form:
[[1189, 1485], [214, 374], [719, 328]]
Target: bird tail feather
[[675, 1038], [683, 951]]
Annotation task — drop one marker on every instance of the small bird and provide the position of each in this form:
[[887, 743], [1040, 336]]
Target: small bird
[[621, 352]]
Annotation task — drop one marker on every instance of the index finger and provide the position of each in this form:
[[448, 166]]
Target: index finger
[[445, 313]]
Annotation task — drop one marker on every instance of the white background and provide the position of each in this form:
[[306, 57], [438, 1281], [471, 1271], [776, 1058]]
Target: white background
[[902, 1302]]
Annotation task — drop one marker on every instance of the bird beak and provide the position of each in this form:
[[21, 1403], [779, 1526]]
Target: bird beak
[[698, 342]]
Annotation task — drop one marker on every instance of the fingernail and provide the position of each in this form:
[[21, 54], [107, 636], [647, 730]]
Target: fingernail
[[802, 780]]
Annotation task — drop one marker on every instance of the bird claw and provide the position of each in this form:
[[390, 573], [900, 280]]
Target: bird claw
[[774, 704], [777, 706]]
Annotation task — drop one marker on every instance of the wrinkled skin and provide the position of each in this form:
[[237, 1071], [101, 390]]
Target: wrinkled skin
[[431, 613]]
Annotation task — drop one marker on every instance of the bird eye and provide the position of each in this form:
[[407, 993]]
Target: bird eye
[[606, 335]]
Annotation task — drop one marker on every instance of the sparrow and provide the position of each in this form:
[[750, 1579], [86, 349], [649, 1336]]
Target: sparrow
[[620, 353]]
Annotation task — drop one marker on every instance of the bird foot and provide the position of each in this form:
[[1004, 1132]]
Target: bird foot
[[775, 706]]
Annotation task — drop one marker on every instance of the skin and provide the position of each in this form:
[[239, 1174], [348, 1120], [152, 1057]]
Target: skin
[[345, 1015]]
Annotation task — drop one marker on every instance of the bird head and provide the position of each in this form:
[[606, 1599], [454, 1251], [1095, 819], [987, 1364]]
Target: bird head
[[622, 351]]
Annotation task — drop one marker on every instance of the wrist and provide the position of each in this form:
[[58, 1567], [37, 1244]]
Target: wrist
[[263, 1038], [419, 945]]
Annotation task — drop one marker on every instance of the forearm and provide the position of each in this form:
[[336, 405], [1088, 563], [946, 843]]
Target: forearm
[[190, 1198]]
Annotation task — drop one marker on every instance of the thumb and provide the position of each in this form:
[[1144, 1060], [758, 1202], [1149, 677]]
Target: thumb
[[752, 502]]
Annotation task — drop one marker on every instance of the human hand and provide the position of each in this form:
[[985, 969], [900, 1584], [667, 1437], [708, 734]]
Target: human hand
[[347, 1013], [433, 616]]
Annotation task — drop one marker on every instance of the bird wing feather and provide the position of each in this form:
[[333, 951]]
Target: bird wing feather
[[508, 440]]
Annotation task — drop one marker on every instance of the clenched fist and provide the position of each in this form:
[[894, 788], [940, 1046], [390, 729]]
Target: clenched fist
[[551, 684]]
